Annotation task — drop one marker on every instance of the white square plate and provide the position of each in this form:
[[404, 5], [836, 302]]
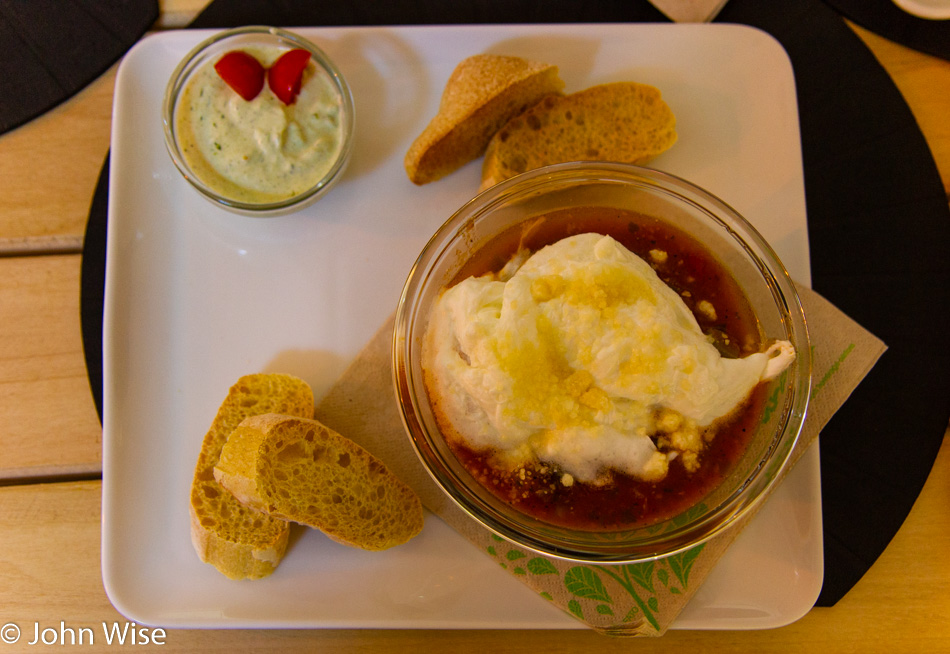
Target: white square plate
[[197, 297]]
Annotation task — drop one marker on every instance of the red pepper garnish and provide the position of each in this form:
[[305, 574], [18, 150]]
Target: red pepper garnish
[[285, 75], [241, 72]]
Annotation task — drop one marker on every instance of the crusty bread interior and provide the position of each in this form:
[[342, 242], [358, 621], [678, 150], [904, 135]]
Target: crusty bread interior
[[238, 541], [300, 470], [622, 121]]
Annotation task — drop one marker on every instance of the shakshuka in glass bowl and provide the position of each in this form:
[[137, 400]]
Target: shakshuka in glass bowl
[[601, 362]]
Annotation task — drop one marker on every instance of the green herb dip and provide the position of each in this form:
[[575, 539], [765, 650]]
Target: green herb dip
[[263, 150]]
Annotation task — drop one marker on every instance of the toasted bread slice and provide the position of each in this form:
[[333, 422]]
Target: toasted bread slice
[[300, 470], [238, 541], [482, 94], [622, 121]]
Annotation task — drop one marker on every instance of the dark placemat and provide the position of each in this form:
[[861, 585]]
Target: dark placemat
[[886, 19], [50, 49], [879, 230]]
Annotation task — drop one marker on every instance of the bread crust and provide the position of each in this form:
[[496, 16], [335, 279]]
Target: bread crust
[[482, 94], [240, 542], [624, 122], [301, 470]]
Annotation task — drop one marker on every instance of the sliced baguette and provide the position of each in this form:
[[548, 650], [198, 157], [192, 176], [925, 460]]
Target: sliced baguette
[[300, 470], [482, 94], [623, 121], [238, 541]]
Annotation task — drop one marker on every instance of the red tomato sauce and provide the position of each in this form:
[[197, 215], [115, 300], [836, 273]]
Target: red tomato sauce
[[626, 502]]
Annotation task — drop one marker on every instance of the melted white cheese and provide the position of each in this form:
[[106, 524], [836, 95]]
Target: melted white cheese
[[569, 360]]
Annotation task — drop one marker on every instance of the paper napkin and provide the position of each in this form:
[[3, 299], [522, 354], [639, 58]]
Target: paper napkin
[[623, 600]]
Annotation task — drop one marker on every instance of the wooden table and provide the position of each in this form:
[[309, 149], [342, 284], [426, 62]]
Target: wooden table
[[50, 444]]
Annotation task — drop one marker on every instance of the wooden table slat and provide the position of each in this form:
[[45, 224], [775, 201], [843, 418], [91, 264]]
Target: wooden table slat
[[50, 425]]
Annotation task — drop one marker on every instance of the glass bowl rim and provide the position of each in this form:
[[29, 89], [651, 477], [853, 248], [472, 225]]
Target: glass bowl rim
[[777, 456]]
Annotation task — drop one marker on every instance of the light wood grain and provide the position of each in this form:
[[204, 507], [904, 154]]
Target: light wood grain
[[50, 422], [49, 168], [924, 81], [174, 14], [900, 606]]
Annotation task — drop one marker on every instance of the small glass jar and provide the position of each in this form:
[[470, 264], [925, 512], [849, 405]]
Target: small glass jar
[[206, 181]]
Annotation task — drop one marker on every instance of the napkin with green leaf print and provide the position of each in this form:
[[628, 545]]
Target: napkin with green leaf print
[[639, 599]]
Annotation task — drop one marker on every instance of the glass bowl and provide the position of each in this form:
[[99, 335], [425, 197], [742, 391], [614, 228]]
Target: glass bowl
[[732, 241], [218, 188]]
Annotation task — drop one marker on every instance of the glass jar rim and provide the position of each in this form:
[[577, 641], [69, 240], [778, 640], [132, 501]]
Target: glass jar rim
[[194, 59]]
